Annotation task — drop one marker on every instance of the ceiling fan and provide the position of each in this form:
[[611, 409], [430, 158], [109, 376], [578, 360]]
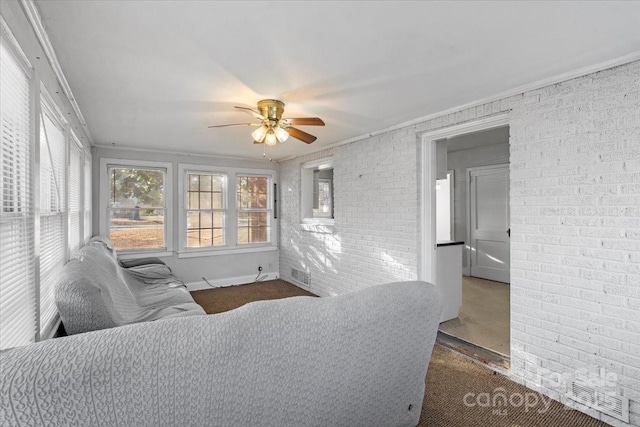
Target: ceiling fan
[[272, 127]]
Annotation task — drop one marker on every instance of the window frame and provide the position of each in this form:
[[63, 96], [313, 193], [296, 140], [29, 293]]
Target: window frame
[[25, 306], [269, 210], [105, 164], [306, 191], [50, 109], [184, 211], [25, 319], [231, 245]]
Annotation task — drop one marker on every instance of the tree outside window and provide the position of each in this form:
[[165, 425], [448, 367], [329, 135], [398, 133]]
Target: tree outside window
[[137, 207], [253, 209]]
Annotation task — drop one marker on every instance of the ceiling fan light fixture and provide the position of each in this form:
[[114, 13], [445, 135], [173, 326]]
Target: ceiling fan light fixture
[[281, 134], [270, 139], [259, 134]]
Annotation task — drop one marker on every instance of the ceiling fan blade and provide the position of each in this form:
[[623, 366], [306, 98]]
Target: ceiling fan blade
[[236, 124], [305, 121], [301, 135], [252, 112]]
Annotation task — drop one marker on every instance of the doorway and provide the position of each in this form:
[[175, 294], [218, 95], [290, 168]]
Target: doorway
[[478, 168]]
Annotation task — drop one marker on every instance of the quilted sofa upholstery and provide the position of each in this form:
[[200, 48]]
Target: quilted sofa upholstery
[[94, 292], [358, 359]]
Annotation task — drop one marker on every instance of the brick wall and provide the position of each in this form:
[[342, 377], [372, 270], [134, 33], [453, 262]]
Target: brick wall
[[575, 215], [575, 220]]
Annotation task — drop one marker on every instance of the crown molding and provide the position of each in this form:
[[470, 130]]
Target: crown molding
[[181, 153], [570, 75], [33, 16]]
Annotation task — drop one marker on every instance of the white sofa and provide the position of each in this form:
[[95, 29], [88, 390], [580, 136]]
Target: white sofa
[[95, 292], [353, 360]]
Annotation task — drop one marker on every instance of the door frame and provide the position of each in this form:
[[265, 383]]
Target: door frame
[[467, 247], [427, 187]]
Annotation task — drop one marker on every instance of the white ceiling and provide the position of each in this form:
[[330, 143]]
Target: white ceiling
[[155, 74]]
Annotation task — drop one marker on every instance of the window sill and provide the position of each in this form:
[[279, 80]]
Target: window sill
[[318, 225], [138, 254], [226, 251]]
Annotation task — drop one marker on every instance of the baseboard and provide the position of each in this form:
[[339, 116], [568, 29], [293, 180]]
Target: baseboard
[[229, 281]]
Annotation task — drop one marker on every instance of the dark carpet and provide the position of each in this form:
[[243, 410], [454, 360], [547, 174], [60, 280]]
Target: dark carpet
[[450, 378], [218, 300]]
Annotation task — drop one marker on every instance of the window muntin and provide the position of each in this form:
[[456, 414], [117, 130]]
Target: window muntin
[[253, 222], [206, 210], [137, 207]]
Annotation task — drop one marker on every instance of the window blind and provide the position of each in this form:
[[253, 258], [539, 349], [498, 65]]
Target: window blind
[[17, 284], [52, 213], [75, 196], [87, 197]]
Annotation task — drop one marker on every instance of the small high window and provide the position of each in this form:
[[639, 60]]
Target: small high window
[[317, 191]]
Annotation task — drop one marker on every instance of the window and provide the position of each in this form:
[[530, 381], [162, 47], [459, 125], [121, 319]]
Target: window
[[317, 191], [226, 209], [17, 305], [33, 180], [206, 211], [86, 224], [323, 193], [137, 206], [75, 196], [53, 208], [253, 212]]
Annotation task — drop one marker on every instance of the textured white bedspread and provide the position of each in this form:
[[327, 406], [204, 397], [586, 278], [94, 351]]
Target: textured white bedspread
[[353, 360]]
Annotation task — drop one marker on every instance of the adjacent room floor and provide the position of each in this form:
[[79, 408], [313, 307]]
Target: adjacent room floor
[[484, 317]]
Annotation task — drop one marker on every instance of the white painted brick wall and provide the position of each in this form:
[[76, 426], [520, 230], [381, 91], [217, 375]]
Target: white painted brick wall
[[575, 221], [581, 261]]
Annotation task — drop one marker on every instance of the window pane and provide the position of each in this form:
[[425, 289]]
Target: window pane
[[205, 229], [194, 200], [253, 227], [205, 200], [205, 220], [136, 208], [137, 228], [131, 187], [217, 183], [193, 220], [205, 182], [216, 201], [323, 193], [194, 182], [252, 191]]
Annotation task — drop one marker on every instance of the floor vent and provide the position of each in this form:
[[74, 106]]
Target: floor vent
[[300, 276], [607, 403]]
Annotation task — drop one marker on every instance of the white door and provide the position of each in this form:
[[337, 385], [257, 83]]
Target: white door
[[489, 222]]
